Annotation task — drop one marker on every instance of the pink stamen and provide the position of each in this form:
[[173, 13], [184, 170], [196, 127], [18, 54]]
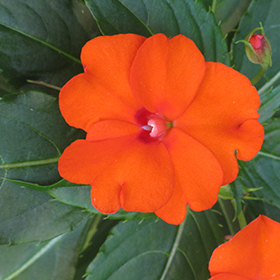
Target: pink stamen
[[159, 127], [153, 126]]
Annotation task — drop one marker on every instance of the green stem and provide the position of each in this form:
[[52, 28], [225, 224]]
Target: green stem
[[228, 220], [44, 84], [259, 75], [241, 220], [214, 6], [269, 84], [91, 230], [29, 163]]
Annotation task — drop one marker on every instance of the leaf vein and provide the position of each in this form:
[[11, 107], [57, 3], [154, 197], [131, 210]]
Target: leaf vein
[[29, 163], [34, 258], [42, 42]]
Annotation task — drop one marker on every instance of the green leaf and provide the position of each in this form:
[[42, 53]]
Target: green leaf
[[153, 249], [39, 39], [113, 17], [263, 171], [34, 134], [229, 12], [28, 215], [144, 17], [270, 101], [266, 12], [92, 246], [54, 259]]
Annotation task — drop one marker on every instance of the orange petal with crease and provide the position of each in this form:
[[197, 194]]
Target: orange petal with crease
[[103, 91], [174, 212], [223, 117], [166, 74], [198, 171], [141, 179], [110, 129], [83, 161]]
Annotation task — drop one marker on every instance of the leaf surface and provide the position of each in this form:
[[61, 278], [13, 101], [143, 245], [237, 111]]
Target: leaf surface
[[34, 134], [154, 249], [270, 101], [55, 259], [28, 215], [39, 39], [229, 12], [146, 17]]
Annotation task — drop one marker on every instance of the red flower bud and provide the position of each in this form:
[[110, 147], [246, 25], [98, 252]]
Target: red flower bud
[[257, 48], [260, 50], [256, 41]]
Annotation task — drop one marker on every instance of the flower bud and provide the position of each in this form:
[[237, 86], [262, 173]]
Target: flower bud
[[257, 48], [260, 50]]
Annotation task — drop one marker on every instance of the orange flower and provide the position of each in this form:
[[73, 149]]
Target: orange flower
[[162, 125], [252, 254]]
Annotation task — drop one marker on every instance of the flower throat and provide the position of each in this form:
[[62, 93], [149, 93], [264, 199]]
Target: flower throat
[[153, 126]]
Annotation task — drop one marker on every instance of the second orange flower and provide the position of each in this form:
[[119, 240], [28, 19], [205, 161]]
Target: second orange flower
[[163, 126]]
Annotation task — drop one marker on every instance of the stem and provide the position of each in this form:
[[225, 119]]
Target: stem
[[269, 84], [44, 84], [241, 220], [259, 75], [91, 230], [214, 6], [228, 220]]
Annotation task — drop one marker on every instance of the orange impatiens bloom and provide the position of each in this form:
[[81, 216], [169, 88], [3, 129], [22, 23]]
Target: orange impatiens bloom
[[162, 125], [252, 254]]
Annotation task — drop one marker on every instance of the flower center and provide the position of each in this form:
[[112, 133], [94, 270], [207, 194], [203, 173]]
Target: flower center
[[157, 127], [154, 127]]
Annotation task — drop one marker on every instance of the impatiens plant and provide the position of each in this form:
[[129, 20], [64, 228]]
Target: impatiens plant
[[136, 137], [162, 125]]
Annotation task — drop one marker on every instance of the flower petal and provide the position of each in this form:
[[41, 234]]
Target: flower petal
[[223, 117], [227, 276], [252, 253], [109, 129], [174, 212], [103, 91], [166, 74], [198, 171], [106, 197], [141, 179], [109, 58], [83, 101], [83, 161]]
